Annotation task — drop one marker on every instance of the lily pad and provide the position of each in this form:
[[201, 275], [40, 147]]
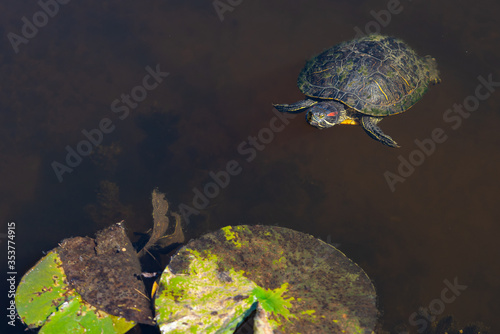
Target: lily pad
[[297, 283], [45, 299], [106, 272], [42, 290]]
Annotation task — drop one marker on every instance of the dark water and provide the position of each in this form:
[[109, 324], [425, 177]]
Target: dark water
[[440, 224]]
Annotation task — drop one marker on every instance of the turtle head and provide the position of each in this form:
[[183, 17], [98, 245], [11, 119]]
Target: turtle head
[[325, 114]]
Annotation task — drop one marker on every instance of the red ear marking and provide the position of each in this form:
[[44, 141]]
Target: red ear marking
[[332, 113]]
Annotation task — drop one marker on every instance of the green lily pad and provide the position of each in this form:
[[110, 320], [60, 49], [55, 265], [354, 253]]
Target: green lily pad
[[45, 299], [42, 290], [78, 316], [297, 283]]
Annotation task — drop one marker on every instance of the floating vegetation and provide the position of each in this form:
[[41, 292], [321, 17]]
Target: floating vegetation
[[284, 280], [297, 284]]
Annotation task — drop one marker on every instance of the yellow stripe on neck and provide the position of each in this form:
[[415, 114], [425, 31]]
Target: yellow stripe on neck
[[350, 122]]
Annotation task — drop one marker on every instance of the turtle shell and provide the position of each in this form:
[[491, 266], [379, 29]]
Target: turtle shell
[[376, 75]]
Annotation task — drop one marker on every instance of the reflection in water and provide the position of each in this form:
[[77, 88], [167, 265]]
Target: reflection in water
[[436, 225], [108, 207]]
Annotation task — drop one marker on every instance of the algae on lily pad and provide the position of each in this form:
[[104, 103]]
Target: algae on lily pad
[[297, 284]]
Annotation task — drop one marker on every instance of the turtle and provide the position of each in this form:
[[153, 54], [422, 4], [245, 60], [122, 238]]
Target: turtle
[[361, 81]]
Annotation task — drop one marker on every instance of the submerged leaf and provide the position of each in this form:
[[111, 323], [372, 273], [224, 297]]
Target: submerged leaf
[[161, 224]]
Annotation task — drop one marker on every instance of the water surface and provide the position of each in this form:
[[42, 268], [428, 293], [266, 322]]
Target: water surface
[[223, 76]]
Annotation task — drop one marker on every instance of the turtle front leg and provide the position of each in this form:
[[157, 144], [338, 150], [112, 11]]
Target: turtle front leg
[[296, 107], [369, 124]]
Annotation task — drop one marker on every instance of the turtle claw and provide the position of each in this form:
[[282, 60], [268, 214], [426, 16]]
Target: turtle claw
[[387, 140], [369, 124]]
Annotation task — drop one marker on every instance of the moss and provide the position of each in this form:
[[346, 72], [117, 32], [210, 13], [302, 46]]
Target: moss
[[273, 300], [231, 236]]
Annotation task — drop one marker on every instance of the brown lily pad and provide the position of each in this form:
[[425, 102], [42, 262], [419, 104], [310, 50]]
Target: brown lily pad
[[297, 284], [106, 271]]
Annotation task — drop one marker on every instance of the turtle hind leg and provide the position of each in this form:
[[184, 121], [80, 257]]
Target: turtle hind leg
[[369, 124], [296, 107]]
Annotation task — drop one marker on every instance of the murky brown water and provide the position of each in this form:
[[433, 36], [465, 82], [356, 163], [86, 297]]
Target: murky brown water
[[440, 224]]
